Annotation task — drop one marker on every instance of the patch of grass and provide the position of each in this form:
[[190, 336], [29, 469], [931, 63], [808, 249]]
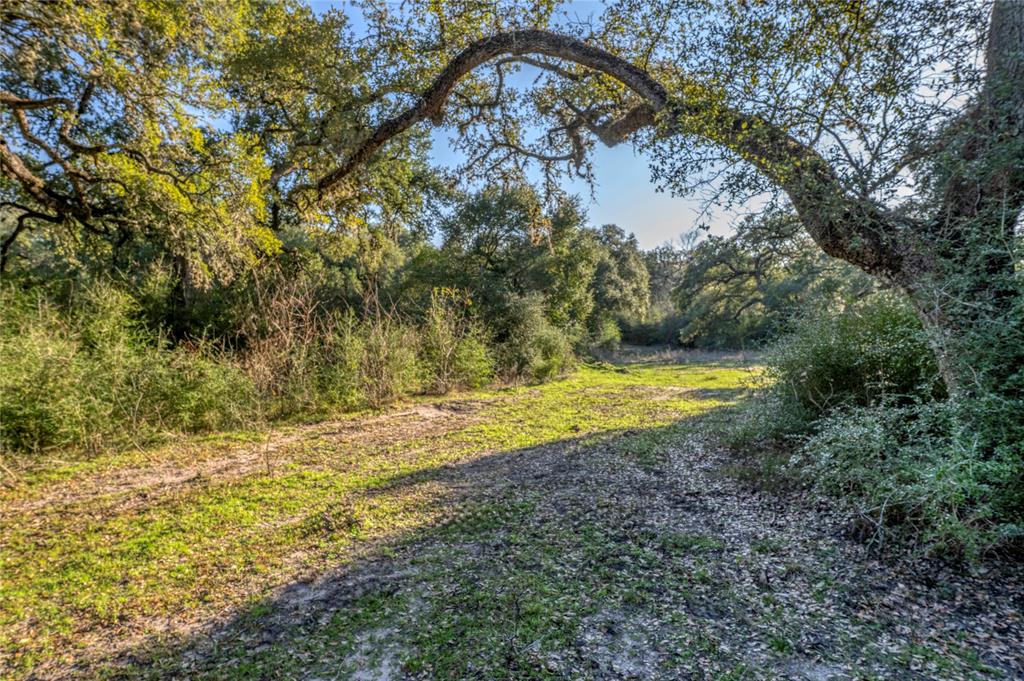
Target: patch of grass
[[112, 559], [780, 644], [767, 545], [690, 543]]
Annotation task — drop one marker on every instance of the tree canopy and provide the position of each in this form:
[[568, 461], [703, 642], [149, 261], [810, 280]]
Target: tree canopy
[[890, 126]]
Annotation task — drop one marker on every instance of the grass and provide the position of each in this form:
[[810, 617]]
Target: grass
[[581, 529], [87, 561]]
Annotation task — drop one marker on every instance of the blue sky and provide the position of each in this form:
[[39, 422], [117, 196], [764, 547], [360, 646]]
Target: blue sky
[[623, 193]]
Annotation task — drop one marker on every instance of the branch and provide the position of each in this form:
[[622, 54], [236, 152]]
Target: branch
[[541, 64], [15, 102], [20, 225], [12, 166], [855, 230], [430, 105], [616, 130]]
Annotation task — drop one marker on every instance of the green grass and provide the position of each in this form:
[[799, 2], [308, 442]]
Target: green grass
[[114, 563]]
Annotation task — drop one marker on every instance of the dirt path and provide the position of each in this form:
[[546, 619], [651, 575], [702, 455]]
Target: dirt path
[[598, 568], [602, 553], [117, 488]]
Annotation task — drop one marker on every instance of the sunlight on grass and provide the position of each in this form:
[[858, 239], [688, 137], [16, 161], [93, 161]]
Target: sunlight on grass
[[98, 564]]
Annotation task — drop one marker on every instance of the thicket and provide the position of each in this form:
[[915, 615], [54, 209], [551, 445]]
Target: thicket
[[852, 405], [87, 373], [93, 360], [90, 374]]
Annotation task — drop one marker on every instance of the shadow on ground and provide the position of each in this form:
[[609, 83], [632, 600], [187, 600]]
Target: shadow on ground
[[617, 556]]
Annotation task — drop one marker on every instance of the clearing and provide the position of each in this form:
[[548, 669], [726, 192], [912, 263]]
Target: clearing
[[588, 528]]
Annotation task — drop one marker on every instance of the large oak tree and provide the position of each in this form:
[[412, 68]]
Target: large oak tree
[[892, 127]]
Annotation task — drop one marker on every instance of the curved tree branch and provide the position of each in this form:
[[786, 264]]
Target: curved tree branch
[[515, 43], [852, 229], [20, 225], [12, 166]]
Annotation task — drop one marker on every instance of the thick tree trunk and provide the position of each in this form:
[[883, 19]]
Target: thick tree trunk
[[966, 297], [969, 301]]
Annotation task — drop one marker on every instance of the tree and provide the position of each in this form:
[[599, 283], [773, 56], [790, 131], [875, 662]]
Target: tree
[[142, 130], [891, 127], [665, 265], [104, 136], [621, 284], [500, 245], [745, 287], [845, 107]]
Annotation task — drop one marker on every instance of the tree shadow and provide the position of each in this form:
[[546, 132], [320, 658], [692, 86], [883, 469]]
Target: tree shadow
[[551, 492], [622, 554]]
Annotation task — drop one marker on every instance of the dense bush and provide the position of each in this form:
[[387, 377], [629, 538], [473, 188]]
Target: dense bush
[[88, 372], [534, 349], [283, 343], [659, 327], [607, 336], [388, 364], [93, 375], [340, 350], [453, 348], [856, 394], [916, 468], [872, 350]]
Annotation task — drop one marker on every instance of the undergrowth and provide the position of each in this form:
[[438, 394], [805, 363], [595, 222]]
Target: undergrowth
[[851, 405]]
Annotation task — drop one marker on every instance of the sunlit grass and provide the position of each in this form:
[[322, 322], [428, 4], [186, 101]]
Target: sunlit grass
[[103, 564]]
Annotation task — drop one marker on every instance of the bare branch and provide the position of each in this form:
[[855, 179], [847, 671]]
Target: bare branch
[[21, 224], [541, 64], [13, 101]]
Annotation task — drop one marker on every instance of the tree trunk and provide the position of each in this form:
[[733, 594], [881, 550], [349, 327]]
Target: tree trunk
[[957, 268], [967, 297], [966, 294]]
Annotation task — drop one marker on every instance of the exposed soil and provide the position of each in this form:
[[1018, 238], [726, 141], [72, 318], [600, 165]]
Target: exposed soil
[[118, 488], [759, 585], [575, 560]]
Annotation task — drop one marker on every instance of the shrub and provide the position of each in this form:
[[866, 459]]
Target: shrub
[[916, 468], [857, 394], [870, 351], [388, 368], [474, 361], [534, 349], [281, 334], [41, 401], [607, 336], [90, 376], [205, 390], [339, 353], [454, 352]]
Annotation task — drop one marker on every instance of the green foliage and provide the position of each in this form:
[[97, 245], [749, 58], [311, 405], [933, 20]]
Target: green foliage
[[608, 336], [870, 351], [858, 395], [916, 469], [540, 281], [743, 289], [388, 365], [92, 376], [454, 352], [340, 348], [533, 348], [621, 284]]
